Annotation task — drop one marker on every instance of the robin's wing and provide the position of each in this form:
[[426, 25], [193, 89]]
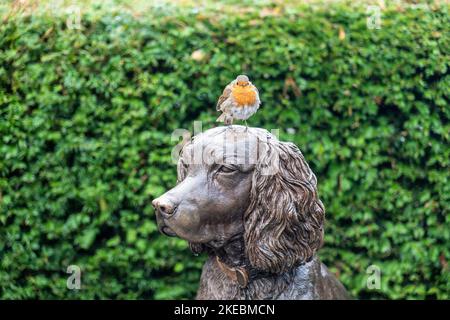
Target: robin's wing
[[225, 95], [257, 93]]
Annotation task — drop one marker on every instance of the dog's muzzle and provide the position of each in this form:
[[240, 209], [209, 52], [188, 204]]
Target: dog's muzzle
[[164, 209]]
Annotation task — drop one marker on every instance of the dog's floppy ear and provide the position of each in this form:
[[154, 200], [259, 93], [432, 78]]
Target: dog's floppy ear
[[284, 221]]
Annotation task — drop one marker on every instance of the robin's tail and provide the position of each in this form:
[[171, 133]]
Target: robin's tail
[[226, 118], [222, 118]]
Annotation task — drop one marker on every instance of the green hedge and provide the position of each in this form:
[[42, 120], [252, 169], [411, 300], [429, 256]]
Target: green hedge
[[86, 118]]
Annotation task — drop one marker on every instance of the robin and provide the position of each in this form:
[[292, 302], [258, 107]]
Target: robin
[[239, 100]]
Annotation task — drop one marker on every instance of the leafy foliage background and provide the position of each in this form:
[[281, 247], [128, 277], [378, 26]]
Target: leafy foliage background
[[86, 118]]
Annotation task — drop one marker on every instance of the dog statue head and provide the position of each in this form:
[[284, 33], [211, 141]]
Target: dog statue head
[[245, 182]]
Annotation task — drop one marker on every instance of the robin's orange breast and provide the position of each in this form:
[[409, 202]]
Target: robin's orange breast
[[243, 95]]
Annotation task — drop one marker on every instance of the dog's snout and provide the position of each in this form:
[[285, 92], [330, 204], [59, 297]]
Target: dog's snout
[[164, 206]]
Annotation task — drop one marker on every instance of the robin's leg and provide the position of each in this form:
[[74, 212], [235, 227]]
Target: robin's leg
[[231, 126], [246, 126], [229, 122]]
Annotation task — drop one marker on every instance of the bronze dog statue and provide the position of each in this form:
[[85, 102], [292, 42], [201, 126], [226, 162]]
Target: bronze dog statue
[[250, 202]]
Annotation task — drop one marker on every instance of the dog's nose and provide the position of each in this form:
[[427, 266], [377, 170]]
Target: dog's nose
[[164, 206]]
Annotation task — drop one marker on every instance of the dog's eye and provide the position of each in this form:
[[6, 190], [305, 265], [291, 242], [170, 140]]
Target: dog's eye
[[226, 169]]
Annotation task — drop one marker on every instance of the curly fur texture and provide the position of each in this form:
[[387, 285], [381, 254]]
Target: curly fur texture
[[284, 221]]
